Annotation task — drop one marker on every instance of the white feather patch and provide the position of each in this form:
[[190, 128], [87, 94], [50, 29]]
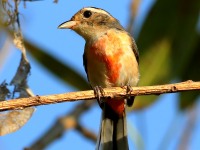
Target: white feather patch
[[97, 10]]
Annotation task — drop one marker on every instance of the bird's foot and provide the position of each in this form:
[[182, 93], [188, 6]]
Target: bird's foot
[[128, 89], [129, 98], [99, 93]]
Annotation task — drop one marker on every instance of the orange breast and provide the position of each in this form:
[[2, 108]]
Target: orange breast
[[107, 50], [111, 52]]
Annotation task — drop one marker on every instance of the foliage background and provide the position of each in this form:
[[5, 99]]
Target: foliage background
[[167, 35]]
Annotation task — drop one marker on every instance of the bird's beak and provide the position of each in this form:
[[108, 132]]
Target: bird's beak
[[67, 25]]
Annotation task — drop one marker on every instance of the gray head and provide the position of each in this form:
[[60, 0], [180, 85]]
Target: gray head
[[90, 22]]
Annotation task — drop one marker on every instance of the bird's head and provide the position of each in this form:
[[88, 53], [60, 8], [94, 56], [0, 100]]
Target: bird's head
[[91, 22]]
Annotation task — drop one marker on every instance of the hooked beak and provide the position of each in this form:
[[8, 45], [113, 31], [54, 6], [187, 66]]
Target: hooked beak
[[68, 25]]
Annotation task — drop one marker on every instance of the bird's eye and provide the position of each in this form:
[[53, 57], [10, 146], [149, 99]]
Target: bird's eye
[[87, 14]]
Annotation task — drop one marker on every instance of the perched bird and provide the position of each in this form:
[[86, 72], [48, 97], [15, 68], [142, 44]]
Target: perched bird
[[110, 59]]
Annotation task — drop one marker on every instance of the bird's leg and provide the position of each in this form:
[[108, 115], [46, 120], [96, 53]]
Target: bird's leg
[[99, 93]]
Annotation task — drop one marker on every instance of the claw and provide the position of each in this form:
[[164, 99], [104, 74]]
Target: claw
[[99, 93], [129, 89], [130, 99]]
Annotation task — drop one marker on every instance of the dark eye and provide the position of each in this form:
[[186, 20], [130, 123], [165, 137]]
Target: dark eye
[[87, 14]]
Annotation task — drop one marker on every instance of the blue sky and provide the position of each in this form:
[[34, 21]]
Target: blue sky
[[39, 23]]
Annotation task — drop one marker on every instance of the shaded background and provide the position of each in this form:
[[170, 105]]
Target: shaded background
[[168, 38]]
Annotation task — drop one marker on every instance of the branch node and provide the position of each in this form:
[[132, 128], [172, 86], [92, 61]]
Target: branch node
[[174, 88], [38, 98]]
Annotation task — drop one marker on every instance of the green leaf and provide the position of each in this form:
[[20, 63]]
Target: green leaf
[[154, 69], [176, 21], [187, 99]]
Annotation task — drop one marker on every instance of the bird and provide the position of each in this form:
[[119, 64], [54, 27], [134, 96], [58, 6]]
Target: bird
[[110, 59]]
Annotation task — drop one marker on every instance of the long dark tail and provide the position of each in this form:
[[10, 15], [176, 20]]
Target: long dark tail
[[113, 131]]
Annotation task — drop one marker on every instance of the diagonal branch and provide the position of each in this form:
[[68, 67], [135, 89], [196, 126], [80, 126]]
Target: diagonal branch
[[63, 124], [114, 92]]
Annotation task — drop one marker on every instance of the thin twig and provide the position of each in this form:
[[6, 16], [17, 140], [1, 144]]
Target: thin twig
[[86, 133], [13, 120], [114, 92]]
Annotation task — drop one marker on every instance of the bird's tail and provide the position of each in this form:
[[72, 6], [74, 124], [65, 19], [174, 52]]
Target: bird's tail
[[113, 131]]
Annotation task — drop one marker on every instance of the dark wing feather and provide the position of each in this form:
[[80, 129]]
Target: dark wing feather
[[135, 50], [85, 64], [130, 100]]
